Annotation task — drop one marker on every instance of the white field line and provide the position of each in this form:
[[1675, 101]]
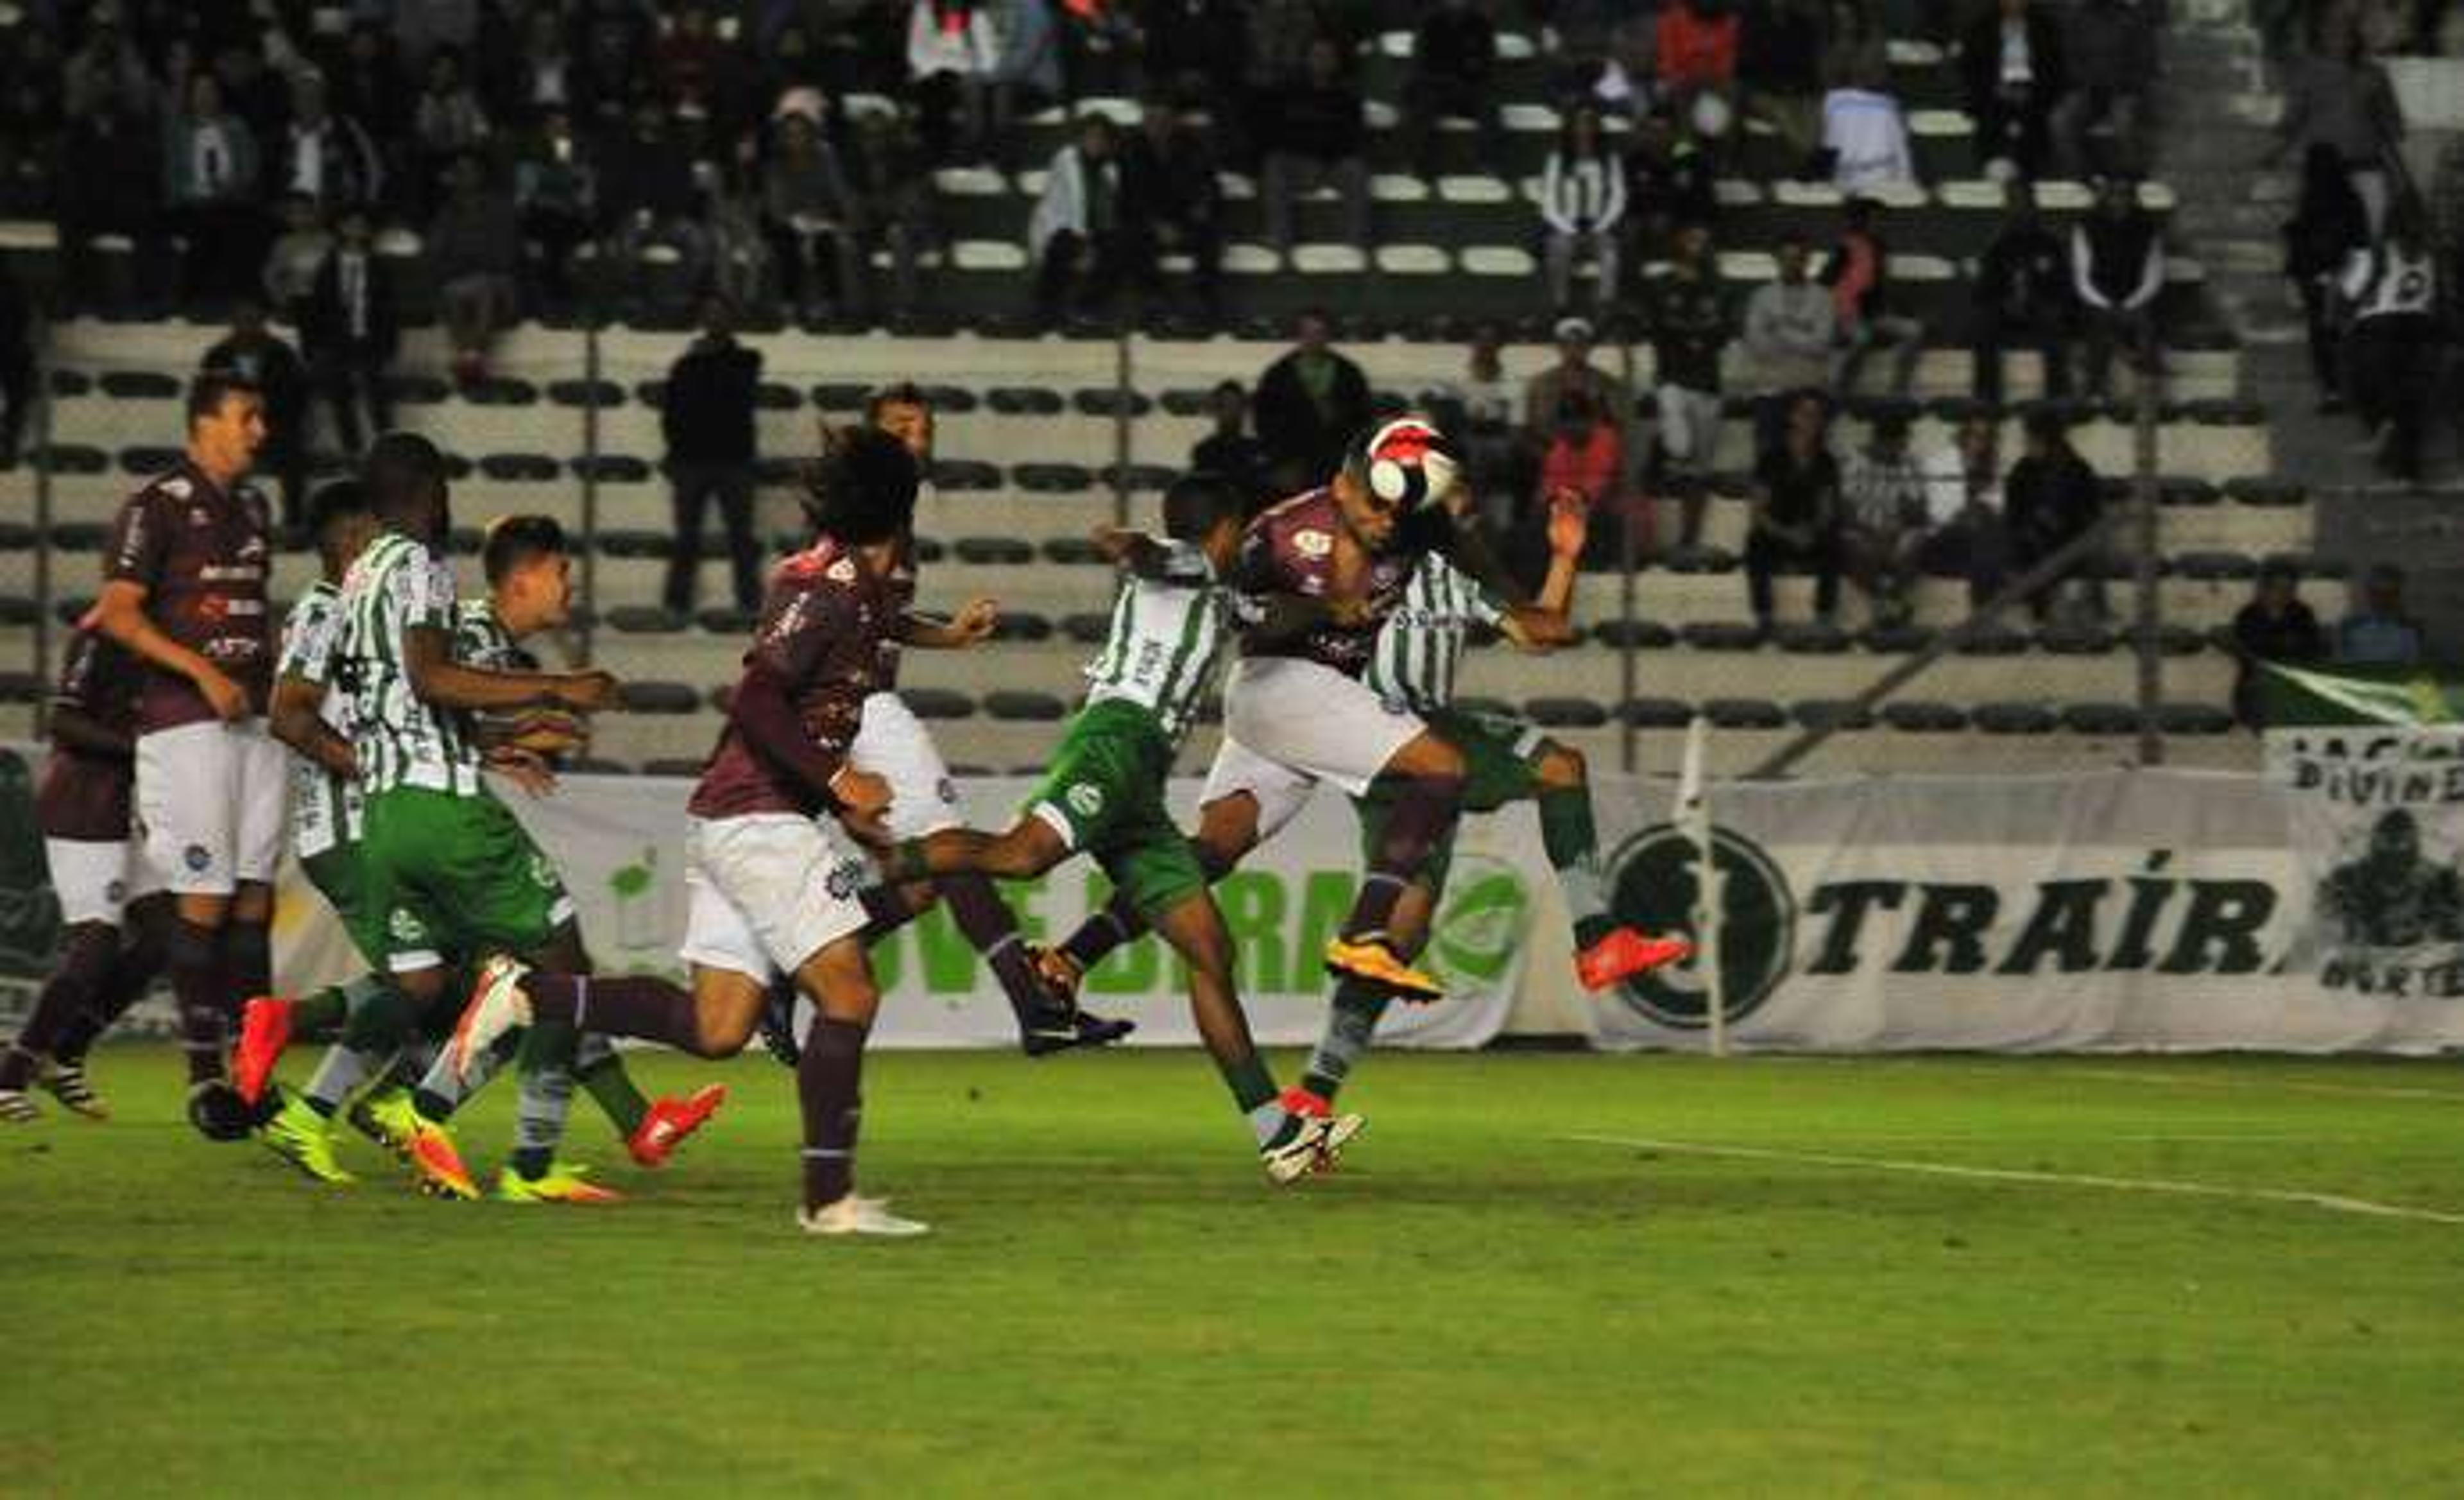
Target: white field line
[[2333, 1203], [2288, 1085]]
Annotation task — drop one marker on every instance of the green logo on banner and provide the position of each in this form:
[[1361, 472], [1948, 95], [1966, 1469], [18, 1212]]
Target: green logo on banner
[[30, 918], [1655, 884], [1486, 910]]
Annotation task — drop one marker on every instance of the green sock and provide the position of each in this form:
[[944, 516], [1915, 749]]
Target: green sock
[[319, 1013], [1350, 1024], [380, 1024], [612, 1088], [1573, 845], [1253, 1090]]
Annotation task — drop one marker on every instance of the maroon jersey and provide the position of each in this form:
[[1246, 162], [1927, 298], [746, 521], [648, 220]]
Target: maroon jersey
[[84, 794], [822, 623], [900, 587], [201, 556], [1289, 550]]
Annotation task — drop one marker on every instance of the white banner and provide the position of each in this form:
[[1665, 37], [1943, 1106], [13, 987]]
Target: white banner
[[2124, 911], [620, 840], [2377, 828]]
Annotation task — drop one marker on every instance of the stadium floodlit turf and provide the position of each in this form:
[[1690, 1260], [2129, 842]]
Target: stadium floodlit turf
[[1942, 1275]]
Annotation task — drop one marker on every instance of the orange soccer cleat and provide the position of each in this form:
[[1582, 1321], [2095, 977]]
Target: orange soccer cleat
[[1625, 953], [669, 1121], [264, 1031]]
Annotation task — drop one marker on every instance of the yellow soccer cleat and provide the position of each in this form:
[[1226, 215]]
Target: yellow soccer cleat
[[562, 1182], [298, 1133], [388, 1118], [1371, 961]]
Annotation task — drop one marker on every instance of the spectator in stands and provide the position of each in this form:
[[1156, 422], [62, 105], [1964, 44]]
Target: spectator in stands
[[1546, 392], [2117, 271], [1884, 519], [893, 193], [1281, 34], [2378, 630], [1231, 452], [16, 363], [1454, 70], [810, 214], [1779, 62], [1791, 327], [2337, 95], [1586, 37], [2273, 626], [2109, 50], [1695, 46], [2050, 499], [1195, 52], [1026, 74], [545, 75], [255, 93], [1582, 202], [1481, 410], [951, 56], [738, 232], [557, 193], [2011, 67], [1319, 138], [648, 194], [1668, 180], [2392, 291], [2023, 296], [1692, 325], [291, 263], [688, 59], [2329, 225], [107, 73], [126, 202], [350, 330], [1865, 135], [1310, 404], [447, 122], [1966, 534], [707, 418], [1859, 274], [210, 171], [253, 352], [1794, 523], [474, 251], [1171, 200], [1075, 232], [369, 85], [326, 157], [1854, 45]]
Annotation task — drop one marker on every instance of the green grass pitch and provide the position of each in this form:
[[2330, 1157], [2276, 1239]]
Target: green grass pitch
[[1502, 1292]]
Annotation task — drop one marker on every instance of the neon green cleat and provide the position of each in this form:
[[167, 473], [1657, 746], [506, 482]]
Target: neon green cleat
[[563, 1182], [297, 1135], [388, 1118]]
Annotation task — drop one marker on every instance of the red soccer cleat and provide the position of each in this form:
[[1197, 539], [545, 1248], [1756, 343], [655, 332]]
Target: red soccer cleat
[[1625, 953], [1297, 1100], [264, 1031], [669, 1121]]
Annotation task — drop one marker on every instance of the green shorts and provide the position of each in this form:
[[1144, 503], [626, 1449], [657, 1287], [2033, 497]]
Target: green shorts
[[1104, 794], [1497, 763], [444, 878]]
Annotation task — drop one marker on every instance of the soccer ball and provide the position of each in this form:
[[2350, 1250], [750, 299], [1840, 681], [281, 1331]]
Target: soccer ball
[[218, 1111], [1409, 462]]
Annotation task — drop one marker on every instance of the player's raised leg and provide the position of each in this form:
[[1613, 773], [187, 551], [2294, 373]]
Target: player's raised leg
[[1605, 952]]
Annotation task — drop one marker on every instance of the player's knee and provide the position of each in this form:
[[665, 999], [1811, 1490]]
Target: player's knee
[[721, 1033], [1561, 767]]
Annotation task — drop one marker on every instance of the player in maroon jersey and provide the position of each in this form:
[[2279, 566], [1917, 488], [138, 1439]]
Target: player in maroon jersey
[[113, 909], [185, 592], [773, 886]]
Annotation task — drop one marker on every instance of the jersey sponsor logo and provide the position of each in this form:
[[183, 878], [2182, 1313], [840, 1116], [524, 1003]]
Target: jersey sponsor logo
[[178, 489], [1311, 542], [1655, 884], [1085, 798], [842, 571]]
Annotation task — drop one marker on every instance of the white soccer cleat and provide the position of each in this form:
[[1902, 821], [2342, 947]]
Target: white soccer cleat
[[853, 1215], [1297, 1154], [497, 1006], [1338, 1134]]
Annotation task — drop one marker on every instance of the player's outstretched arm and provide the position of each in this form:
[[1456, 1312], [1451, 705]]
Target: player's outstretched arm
[[120, 613], [438, 679], [971, 627], [1547, 624], [1141, 554], [296, 720]]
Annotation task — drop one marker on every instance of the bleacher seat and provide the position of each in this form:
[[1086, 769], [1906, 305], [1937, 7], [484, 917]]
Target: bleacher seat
[[2211, 565], [1025, 401], [1020, 624], [1049, 478], [990, 551], [2014, 718], [501, 390], [1020, 705], [1565, 713], [141, 385], [1722, 635], [1071, 552], [612, 469], [1642, 635], [2075, 639], [1924, 717], [1811, 638], [2103, 720], [1745, 713], [520, 467], [584, 393], [725, 620], [658, 698], [148, 459], [938, 702], [2194, 719], [1896, 640], [1994, 641], [644, 620], [1086, 629], [628, 542], [1830, 714]]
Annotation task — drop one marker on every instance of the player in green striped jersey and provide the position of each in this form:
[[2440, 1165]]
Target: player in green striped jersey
[[1104, 795]]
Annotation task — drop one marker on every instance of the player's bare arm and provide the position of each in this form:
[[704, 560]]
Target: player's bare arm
[[971, 627], [428, 660], [120, 613], [1135, 550], [1547, 623], [295, 718]]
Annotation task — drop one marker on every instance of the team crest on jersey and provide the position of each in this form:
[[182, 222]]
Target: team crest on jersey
[[842, 571], [198, 858], [1085, 799], [542, 873], [405, 927], [1311, 542], [178, 489], [845, 880]]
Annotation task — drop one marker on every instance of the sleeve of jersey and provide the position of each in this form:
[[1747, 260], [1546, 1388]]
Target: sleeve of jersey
[[424, 592], [139, 542], [1256, 579], [75, 691], [308, 643], [1184, 563], [796, 633]]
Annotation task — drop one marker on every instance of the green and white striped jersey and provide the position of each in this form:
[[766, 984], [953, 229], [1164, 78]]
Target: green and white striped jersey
[[1420, 647], [397, 587], [481, 640], [324, 807], [1167, 633]]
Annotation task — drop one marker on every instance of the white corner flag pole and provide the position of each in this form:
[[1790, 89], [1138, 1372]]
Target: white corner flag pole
[[1694, 815]]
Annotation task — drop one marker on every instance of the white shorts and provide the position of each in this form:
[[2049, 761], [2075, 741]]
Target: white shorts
[[1279, 791], [891, 743], [1314, 719], [767, 892], [95, 879], [209, 805]]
